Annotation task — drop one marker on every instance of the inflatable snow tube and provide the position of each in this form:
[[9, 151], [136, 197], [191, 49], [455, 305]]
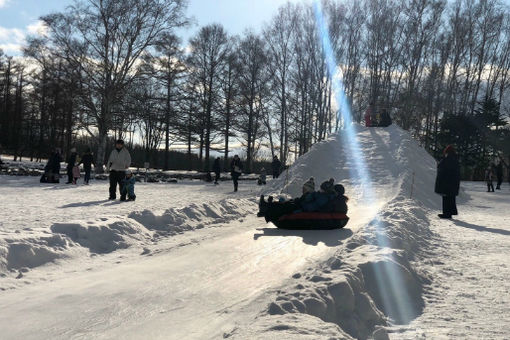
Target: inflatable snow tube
[[312, 220]]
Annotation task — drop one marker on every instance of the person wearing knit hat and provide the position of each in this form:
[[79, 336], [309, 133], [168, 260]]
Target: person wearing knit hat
[[448, 181], [327, 186], [309, 186]]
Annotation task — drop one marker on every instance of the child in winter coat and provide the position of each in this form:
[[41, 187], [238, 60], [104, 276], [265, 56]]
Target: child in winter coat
[[489, 176], [338, 204], [76, 173], [128, 187], [317, 201], [309, 186], [262, 177]]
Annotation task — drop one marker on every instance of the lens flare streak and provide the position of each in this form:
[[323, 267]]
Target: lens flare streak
[[391, 286]]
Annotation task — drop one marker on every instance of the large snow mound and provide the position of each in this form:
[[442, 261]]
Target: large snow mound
[[370, 282]]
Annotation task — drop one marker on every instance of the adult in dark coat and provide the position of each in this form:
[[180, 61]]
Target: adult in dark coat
[[499, 175], [276, 166], [385, 119], [236, 169], [71, 162], [217, 170], [448, 181], [52, 168], [87, 160]]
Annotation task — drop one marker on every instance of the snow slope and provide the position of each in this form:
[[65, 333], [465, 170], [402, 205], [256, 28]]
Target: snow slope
[[192, 261]]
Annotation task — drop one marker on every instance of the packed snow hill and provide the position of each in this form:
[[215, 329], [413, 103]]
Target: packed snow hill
[[192, 261]]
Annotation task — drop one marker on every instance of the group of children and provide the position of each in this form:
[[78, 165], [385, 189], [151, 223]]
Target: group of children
[[330, 198]]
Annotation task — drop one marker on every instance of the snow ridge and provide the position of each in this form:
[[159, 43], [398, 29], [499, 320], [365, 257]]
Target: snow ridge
[[355, 289], [106, 235]]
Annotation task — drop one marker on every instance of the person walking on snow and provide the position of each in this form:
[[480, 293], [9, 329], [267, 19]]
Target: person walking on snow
[[236, 169], [489, 176], [71, 162], [499, 174], [276, 166], [217, 170], [448, 181], [118, 162], [87, 159]]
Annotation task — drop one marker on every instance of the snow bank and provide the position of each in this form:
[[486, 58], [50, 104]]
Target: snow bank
[[370, 282], [106, 235], [194, 216], [17, 254]]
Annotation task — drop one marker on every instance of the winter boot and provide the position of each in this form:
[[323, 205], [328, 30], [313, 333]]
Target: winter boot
[[262, 207]]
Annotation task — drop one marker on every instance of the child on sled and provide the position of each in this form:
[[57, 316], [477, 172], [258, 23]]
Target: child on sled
[[330, 198]]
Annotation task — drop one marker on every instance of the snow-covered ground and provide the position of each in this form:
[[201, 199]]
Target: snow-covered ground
[[470, 267], [191, 261]]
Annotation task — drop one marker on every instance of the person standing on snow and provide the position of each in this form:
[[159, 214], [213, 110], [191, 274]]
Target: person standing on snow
[[52, 168], [276, 166], [87, 159], [489, 176], [368, 115], [128, 186], [217, 170], [236, 169], [448, 181], [71, 162], [385, 118], [262, 177], [118, 162], [499, 174]]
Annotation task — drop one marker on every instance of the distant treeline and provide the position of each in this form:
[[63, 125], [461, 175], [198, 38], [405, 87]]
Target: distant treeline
[[116, 69]]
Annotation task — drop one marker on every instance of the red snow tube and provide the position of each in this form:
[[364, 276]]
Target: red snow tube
[[312, 220]]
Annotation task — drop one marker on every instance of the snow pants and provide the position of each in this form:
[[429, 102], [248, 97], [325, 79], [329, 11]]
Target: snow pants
[[500, 181], [129, 190], [490, 186], [116, 178], [276, 210], [87, 175], [70, 177], [216, 177], [449, 206], [235, 179]]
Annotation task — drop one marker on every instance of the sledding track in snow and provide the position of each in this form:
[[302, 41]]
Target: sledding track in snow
[[209, 282]]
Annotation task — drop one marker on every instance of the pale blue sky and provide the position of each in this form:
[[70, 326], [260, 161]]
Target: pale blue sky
[[17, 17]]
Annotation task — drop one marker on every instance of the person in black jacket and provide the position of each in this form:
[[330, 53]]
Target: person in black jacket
[[385, 119], [52, 168], [499, 174], [71, 162], [448, 181], [87, 160], [236, 169], [276, 166], [217, 170]]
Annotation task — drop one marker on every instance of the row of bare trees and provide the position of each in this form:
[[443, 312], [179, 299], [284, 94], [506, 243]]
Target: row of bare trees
[[116, 69]]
